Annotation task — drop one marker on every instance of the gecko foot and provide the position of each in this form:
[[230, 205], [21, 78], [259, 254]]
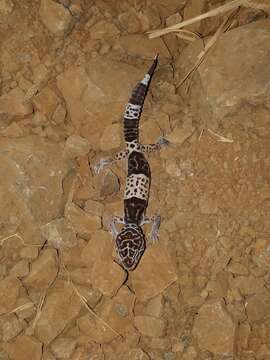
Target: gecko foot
[[101, 164], [161, 141], [155, 228]]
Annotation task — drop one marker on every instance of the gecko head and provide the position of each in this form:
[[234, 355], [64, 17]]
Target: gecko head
[[130, 246]]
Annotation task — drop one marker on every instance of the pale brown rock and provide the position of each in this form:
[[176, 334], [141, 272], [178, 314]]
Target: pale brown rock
[[174, 19], [104, 29], [43, 270], [237, 268], [59, 234], [107, 276], [93, 99], [150, 326], [29, 252], [96, 329], [108, 183], [194, 8], [135, 354], [212, 94], [208, 204], [82, 222], [115, 312], [139, 45], [93, 207], [21, 269], [111, 137], [148, 283], [59, 115], [154, 306], [63, 347], [258, 305], [55, 17], [77, 146], [31, 191], [10, 327], [99, 246], [180, 134], [261, 255], [6, 7], [24, 347], [46, 102], [9, 288], [61, 306], [13, 104], [214, 329]]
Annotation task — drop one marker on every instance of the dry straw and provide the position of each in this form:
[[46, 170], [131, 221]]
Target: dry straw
[[259, 4]]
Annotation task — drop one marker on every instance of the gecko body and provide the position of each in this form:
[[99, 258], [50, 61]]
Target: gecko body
[[130, 240]]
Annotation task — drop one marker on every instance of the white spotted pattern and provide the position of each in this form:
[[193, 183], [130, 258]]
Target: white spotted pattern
[[137, 185], [146, 79], [132, 111]]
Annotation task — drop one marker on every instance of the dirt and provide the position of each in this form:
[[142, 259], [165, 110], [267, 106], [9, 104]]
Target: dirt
[[203, 291]]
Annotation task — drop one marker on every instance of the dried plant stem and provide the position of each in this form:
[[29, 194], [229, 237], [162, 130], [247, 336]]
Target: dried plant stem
[[219, 10]]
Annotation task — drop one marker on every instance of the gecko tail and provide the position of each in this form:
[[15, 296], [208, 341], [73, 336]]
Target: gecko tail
[[135, 105]]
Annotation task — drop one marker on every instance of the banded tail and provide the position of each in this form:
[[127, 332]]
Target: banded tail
[[135, 105]]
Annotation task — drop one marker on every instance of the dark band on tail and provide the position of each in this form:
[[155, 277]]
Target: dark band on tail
[[135, 105]]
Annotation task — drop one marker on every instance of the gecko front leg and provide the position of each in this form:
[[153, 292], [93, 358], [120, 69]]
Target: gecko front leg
[[104, 162], [161, 141], [155, 220], [115, 220]]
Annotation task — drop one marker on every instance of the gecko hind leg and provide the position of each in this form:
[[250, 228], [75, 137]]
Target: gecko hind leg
[[155, 221], [112, 227]]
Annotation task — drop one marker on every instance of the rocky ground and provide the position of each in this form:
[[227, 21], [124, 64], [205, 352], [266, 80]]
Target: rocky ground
[[203, 291]]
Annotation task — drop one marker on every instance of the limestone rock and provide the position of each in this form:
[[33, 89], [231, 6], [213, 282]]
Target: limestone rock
[[55, 17], [208, 204], [63, 347], [139, 45], [115, 312], [9, 288], [100, 245], [24, 347], [13, 104], [148, 283], [180, 134], [93, 100], [61, 306], [108, 184], [93, 207], [46, 102], [103, 29], [111, 137], [10, 327], [82, 222], [150, 326], [6, 7], [31, 188], [194, 8], [221, 88], [77, 146], [107, 276], [135, 354], [43, 270], [214, 329], [29, 252], [59, 234], [261, 253], [20, 269], [258, 305]]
